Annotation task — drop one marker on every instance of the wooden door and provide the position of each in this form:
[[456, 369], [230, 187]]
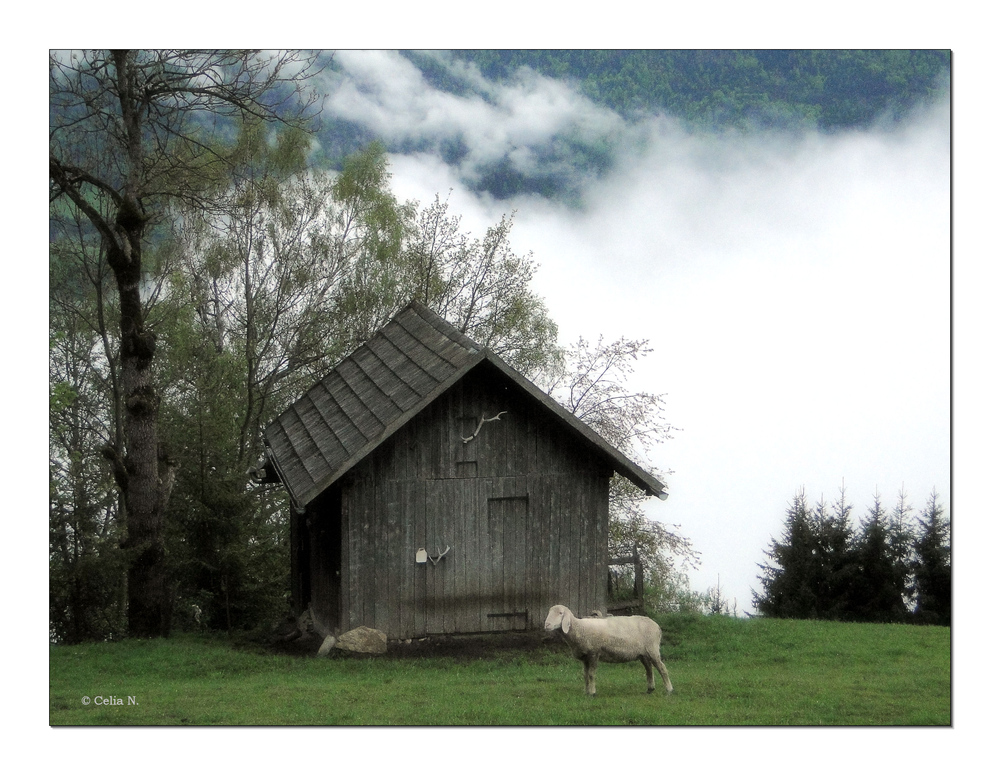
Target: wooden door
[[505, 575]]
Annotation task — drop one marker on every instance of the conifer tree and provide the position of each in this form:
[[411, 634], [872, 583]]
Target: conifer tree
[[836, 539], [791, 583], [901, 538], [877, 594], [932, 565]]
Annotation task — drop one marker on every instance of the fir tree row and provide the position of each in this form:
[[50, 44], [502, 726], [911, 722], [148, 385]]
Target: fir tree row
[[891, 566]]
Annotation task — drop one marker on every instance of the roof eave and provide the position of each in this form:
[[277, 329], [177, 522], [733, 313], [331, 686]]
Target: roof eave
[[269, 453]]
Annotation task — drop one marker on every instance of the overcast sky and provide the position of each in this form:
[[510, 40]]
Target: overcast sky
[[794, 287]]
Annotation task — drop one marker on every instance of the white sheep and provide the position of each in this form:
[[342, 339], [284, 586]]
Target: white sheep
[[615, 639]]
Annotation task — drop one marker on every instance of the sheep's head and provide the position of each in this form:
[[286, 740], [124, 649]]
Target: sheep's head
[[559, 618]]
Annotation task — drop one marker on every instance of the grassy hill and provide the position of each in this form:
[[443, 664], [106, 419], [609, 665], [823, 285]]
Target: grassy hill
[[724, 671]]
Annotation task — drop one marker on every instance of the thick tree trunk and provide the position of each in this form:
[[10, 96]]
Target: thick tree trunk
[[148, 609], [146, 473]]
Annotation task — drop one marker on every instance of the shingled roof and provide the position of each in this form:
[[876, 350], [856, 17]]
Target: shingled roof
[[383, 384]]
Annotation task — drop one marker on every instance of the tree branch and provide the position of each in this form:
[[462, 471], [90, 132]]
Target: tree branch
[[118, 466], [67, 177]]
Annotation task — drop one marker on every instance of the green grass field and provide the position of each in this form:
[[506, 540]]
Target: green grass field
[[724, 671]]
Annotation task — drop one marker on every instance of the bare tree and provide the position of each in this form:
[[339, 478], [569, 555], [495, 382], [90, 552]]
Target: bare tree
[[131, 131], [592, 383]]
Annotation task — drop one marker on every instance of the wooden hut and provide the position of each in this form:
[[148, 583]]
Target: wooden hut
[[436, 490]]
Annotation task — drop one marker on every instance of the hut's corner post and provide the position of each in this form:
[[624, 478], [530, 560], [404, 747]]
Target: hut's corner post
[[295, 548], [640, 584]]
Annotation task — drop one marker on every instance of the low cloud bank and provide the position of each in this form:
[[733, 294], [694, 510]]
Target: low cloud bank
[[533, 128]]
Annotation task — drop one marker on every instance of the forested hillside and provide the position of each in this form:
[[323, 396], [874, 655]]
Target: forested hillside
[[830, 89]]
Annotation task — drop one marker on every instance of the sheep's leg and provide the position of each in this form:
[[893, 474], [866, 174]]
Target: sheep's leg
[[589, 670], [648, 664], [658, 661]]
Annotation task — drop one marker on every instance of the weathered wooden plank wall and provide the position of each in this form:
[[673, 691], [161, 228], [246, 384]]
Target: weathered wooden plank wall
[[522, 508]]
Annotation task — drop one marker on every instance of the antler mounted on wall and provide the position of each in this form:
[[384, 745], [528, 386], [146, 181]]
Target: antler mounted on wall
[[483, 419], [440, 555]]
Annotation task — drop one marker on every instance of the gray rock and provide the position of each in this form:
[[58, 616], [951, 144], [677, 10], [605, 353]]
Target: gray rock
[[363, 640]]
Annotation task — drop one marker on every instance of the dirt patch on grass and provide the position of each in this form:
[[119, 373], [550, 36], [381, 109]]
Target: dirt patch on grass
[[460, 647], [472, 647]]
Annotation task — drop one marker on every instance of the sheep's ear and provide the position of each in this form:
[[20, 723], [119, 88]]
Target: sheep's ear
[[565, 621]]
